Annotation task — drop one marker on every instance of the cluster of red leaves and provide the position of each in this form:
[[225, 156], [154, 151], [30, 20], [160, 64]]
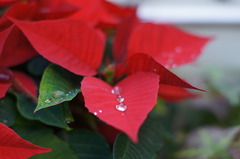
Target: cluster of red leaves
[[72, 34]]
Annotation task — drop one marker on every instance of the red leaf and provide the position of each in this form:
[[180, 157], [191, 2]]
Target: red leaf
[[15, 45], [25, 84], [18, 11], [54, 9], [143, 62], [14, 147], [139, 92], [4, 88], [69, 43], [119, 11], [4, 3], [122, 36], [94, 12], [168, 45], [173, 93]]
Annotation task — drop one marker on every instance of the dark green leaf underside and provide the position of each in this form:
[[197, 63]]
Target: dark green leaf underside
[[147, 147]]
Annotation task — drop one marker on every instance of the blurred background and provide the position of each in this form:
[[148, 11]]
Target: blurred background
[[206, 127]]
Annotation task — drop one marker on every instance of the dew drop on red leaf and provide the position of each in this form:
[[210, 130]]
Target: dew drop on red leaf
[[139, 92]]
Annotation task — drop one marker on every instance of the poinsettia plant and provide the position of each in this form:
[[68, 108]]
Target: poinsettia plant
[[72, 71]]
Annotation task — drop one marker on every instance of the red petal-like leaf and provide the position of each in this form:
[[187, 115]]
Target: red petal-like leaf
[[139, 92], [15, 45], [119, 11], [25, 84], [54, 9], [4, 3], [168, 45], [143, 62], [3, 89], [14, 147], [122, 36], [18, 11], [173, 93], [69, 43]]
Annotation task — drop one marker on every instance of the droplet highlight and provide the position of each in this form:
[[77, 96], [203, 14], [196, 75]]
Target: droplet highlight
[[116, 90], [58, 94], [95, 113], [120, 99], [100, 111], [121, 107], [48, 100]]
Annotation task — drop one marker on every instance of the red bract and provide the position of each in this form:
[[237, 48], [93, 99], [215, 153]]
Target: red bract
[[143, 62], [169, 46], [15, 45], [25, 84], [4, 3], [134, 97], [14, 147], [173, 93], [75, 46], [4, 88]]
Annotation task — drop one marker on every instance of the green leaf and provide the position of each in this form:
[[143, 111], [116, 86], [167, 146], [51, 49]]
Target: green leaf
[[44, 137], [147, 147], [88, 145], [57, 85], [37, 65], [58, 116], [7, 110]]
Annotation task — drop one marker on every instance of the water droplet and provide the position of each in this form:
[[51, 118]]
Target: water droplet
[[155, 70], [100, 111], [121, 107], [178, 49], [95, 113], [122, 113], [58, 94], [120, 99], [48, 100], [59, 101], [116, 90], [68, 121]]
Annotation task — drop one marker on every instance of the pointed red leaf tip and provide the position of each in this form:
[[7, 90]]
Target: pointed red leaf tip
[[14, 147], [124, 106], [168, 45], [69, 43], [11, 39], [25, 83], [4, 88], [174, 94], [143, 62]]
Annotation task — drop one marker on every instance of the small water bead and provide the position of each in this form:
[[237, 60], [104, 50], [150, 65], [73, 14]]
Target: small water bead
[[120, 99], [116, 90], [95, 113], [48, 100], [100, 111], [121, 107], [58, 94]]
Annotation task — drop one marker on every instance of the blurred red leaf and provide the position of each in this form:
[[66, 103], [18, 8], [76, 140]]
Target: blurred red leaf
[[25, 84], [4, 3], [143, 62], [4, 88], [168, 45], [73, 45], [139, 92], [173, 93], [14, 147], [15, 44], [122, 36]]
